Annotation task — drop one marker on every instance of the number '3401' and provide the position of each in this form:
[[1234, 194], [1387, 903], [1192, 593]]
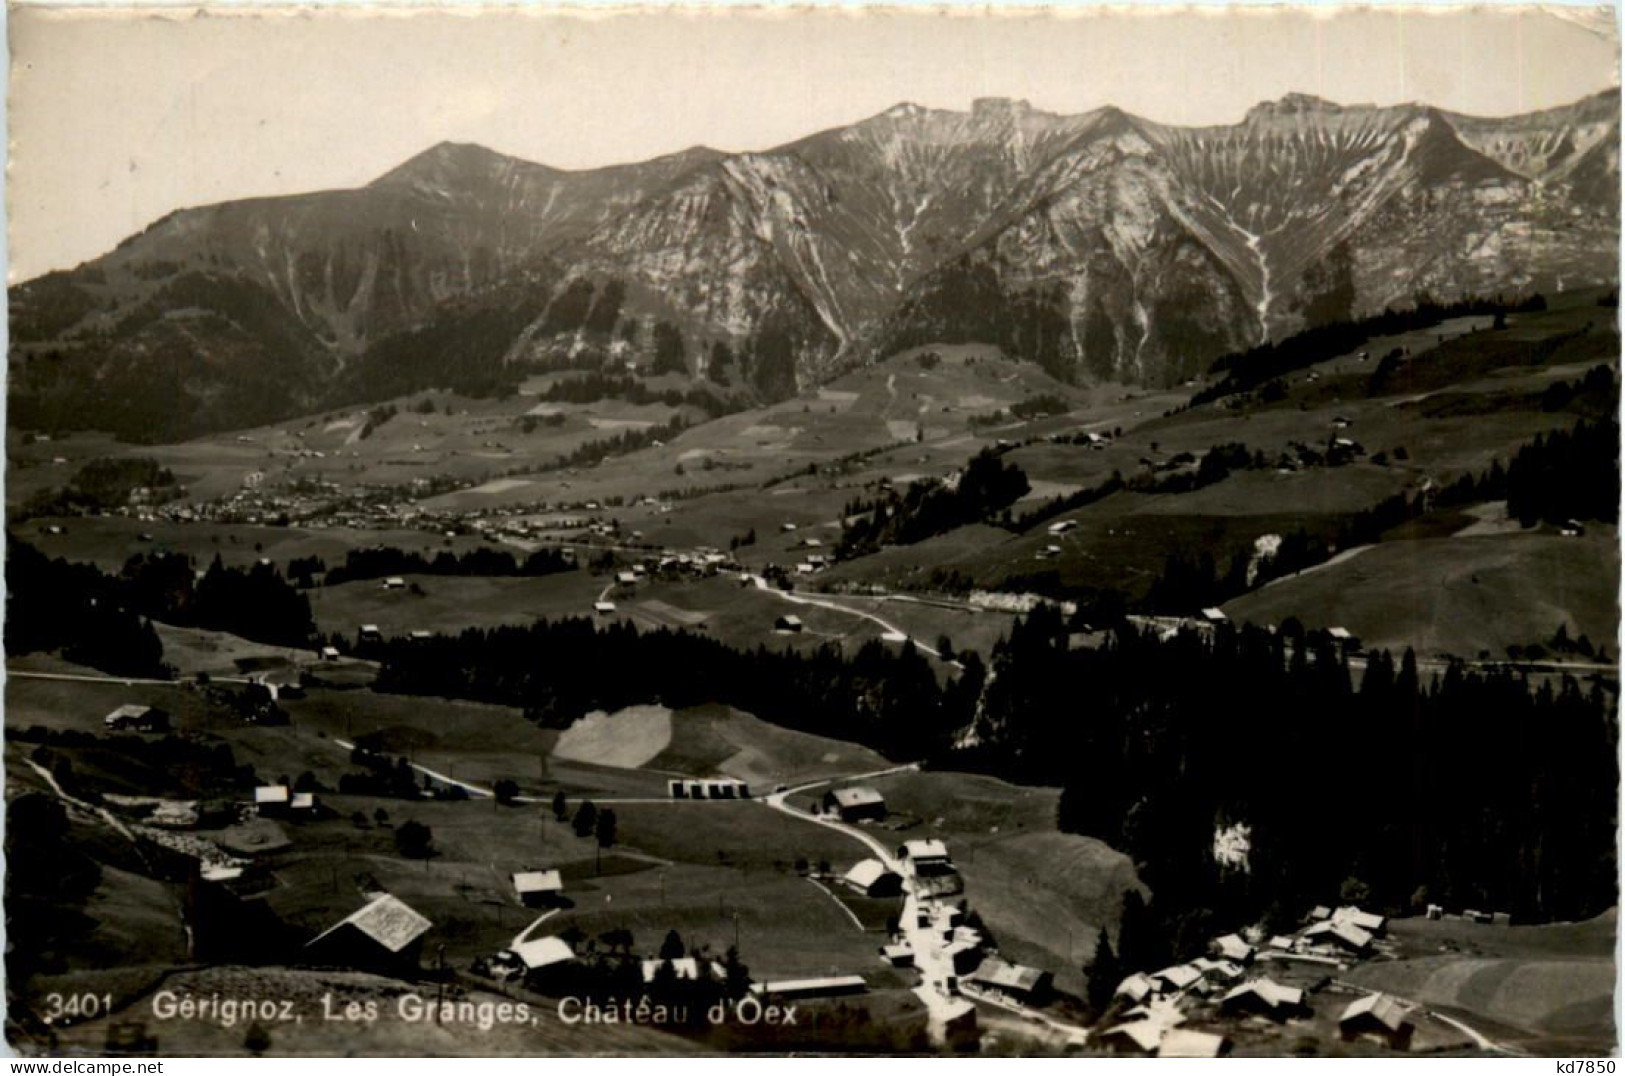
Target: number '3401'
[[69, 1007]]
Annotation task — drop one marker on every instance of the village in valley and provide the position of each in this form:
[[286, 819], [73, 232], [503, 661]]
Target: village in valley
[[286, 799], [968, 582]]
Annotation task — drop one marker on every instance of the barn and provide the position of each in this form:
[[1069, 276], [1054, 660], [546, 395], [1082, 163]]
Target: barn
[[1263, 997], [538, 889], [1376, 1016], [1172, 980], [1339, 935], [855, 804], [788, 623], [1232, 947], [383, 935], [272, 799], [1136, 987], [134, 717], [543, 953], [1029, 986], [873, 879]]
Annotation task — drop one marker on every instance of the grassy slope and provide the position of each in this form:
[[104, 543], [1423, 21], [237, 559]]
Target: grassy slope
[[1457, 596], [1550, 986]]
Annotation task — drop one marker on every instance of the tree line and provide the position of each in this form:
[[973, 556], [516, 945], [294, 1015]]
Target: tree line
[[104, 620], [930, 507], [380, 562], [557, 670], [1249, 369]]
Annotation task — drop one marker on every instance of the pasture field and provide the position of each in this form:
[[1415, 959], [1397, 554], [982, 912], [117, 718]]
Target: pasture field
[[721, 739], [72, 704], [786, 927], [1465, 596], [625, 739], [1549, 988], [197, 650], [449, 603]]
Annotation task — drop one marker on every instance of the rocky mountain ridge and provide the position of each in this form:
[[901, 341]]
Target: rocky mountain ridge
[[1099, 245]]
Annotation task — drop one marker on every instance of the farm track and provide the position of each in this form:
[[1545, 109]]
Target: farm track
[[826, 603]]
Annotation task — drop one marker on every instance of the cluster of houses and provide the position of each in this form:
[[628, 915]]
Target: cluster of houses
[[1229, 983]]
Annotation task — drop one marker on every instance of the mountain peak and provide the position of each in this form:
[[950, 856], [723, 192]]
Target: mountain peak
[[996, 107], [1294, 104], [445, 163]]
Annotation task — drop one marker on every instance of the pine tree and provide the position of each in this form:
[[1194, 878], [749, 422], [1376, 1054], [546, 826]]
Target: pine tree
[[1102, 974]]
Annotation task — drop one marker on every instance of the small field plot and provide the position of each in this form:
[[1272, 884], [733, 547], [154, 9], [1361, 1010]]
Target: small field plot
[[195, 650], [441, 603], [83, 705], [785, 927], [1550, 987], [626, 738], [720, 739], [1464, 596], [470, 741], [742, 835]]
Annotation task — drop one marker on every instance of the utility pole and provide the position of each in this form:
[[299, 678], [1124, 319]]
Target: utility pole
[[440, 982]]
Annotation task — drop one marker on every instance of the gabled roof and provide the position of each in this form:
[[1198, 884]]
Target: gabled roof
[[129, 711], [541, 952], [1269, 991], [1183, 1042], [537, 882], [1135, 987], [1380, 1007], [386, 920], [1339, 931], [1218, 969], [1146, 1034], [1233, 947], [1364, 920], [303, 801], [925, 849], [271, 794], [857, 797], [1179, 976], [996, 971], [866, 873]]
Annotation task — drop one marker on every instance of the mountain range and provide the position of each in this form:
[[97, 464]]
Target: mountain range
[[1100, 245]]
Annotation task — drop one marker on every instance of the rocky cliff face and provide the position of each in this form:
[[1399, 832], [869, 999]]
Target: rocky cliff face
[[1099, 245]]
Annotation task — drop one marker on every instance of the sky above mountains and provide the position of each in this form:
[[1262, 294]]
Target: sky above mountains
[[116, 121]]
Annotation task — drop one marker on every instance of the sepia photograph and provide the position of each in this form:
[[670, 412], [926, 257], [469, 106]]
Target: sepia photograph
[[870, 531]]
